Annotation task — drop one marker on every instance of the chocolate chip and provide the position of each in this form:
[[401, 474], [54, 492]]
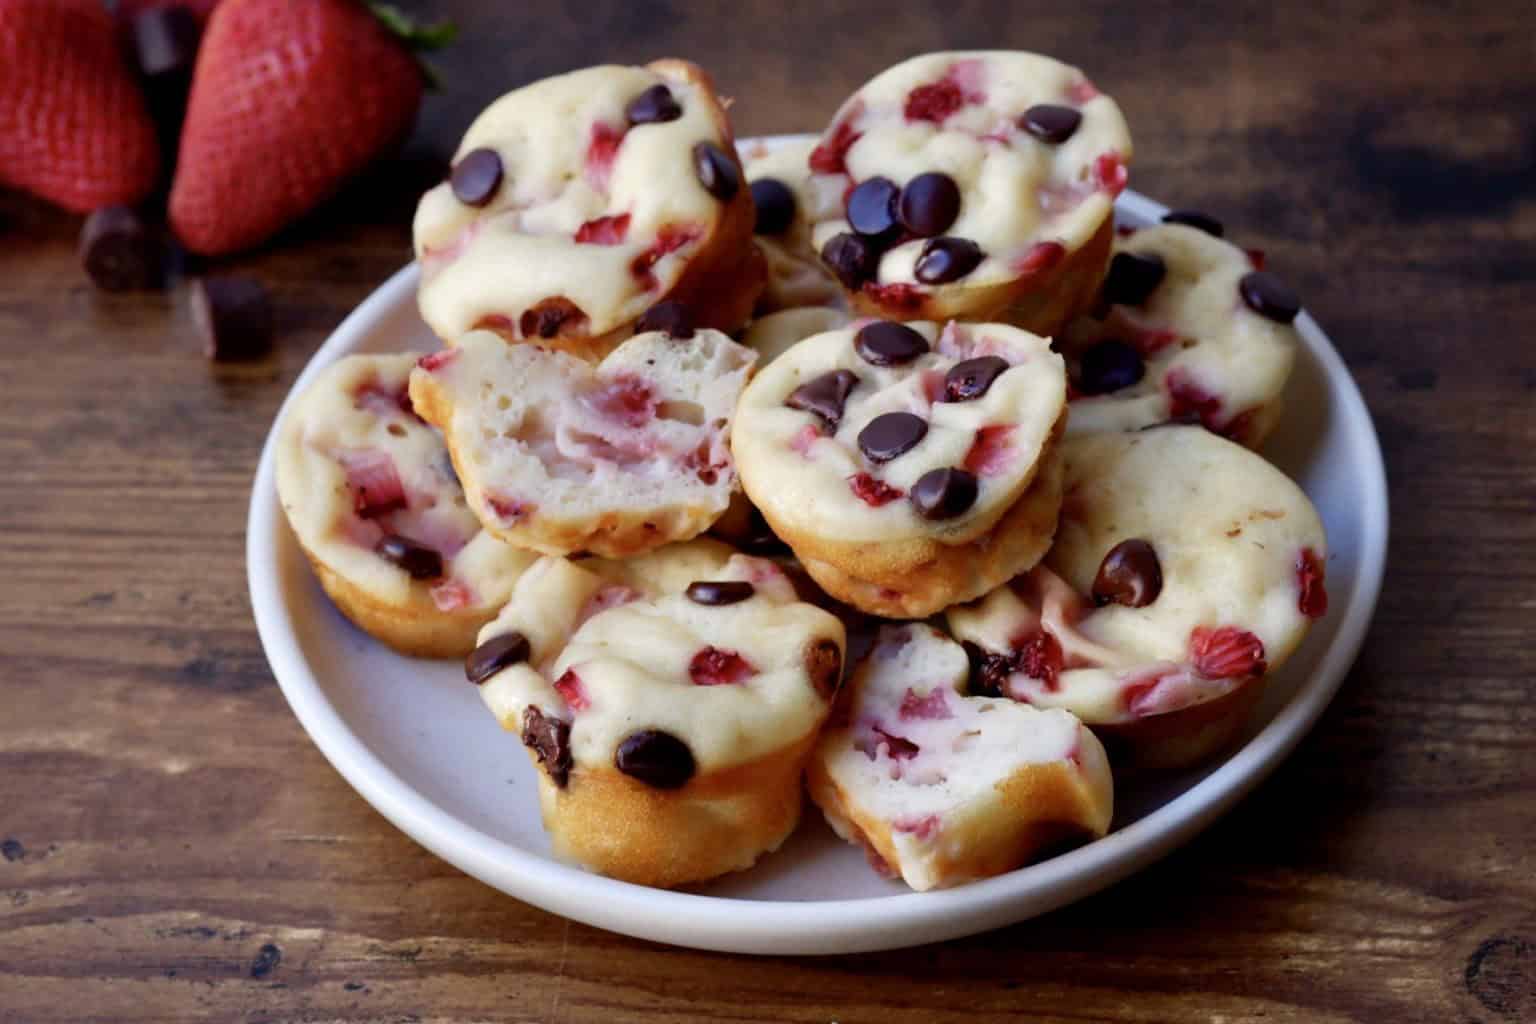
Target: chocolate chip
[[550, 740], [891, 435], [717, 172], [1130, 575], [989, 671], [775, 202], [670, 317], [1269, 296], [929, 204], [656, 758], [825, 395], [947, 259], [476, 177], [872, 209], [1050, 123], [165, 40], [120, 252], [852, 259], [884, 343], [1195, 219], [1109, 366], [1133, 277], [495, 654], [971, 378], [719, 592], [419, 561], [653, 106], [824, 664], [944, 493], [234, 317], [551, 318]]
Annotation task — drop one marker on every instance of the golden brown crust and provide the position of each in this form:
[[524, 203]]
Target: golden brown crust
[[417, 628], [1040, 303], [1184, 738], [870, 580], [718, 823]]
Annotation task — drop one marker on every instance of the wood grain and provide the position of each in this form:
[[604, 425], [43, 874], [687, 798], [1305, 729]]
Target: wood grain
[[174, 849]]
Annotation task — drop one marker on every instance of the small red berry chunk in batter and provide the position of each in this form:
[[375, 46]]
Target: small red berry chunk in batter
[[830, 157], [714, 666], [1226, 652], [1313, 600], [603, 230], [932, 708], [873, 492], [624, 399], [572, 692], [991, 453]]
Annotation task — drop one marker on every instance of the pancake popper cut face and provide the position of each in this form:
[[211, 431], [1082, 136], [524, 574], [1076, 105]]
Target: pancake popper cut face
[[952, 181], [1184, 568], [577, 202], [1187, 330], [561, 456], [372, 495], [942, 786]]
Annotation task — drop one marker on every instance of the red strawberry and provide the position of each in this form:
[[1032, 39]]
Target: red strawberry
[[290, 98], [1226, 652], [73, 128]]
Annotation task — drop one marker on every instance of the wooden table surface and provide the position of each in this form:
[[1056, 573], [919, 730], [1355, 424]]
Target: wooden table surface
[[175, 849]]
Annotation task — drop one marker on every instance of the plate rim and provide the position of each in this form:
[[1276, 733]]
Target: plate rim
[[736, 924]]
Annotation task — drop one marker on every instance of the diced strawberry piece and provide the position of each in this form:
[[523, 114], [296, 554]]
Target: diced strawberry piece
[[1256, 258], [625, 399], [934, 102], [1124, 230], [373, 397], [601, 150], [1110, 172], [434, 361], [1226, 652], [1039, 657], [669, 239], [1313, 601], [510, 510], [572, 692], [932, 708], [603, 231], [1039, 258], [807, 436], [700, 463], [1081, 91], [375, 483], [830, 157], [991, 453], [450, 595], [920, 828], [902, 295], [714, 666], [1188, 399], [873, 492]]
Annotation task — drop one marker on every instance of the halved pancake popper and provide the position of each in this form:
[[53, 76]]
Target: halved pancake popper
[[943, 787], [561, 456]]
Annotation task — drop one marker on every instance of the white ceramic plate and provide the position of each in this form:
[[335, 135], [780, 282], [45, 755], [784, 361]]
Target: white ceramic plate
[[414, 739]]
